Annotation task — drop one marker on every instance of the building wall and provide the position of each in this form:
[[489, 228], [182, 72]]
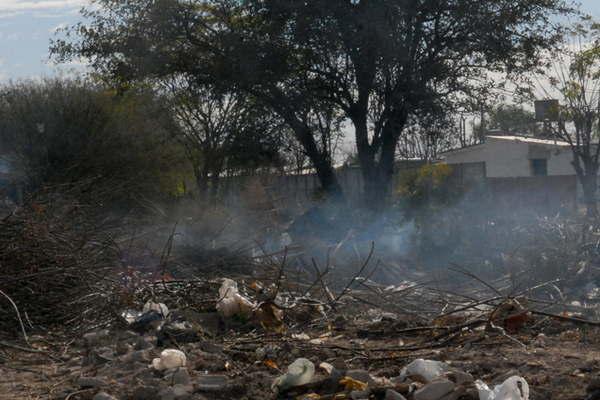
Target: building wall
[[511, 159]]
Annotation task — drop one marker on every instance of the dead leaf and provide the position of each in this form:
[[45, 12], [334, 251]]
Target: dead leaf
[[352, 384]]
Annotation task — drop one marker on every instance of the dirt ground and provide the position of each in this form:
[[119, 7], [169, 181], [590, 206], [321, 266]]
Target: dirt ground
[[558, 364]]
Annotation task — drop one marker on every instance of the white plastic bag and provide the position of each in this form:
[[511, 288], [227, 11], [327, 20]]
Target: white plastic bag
[[231, 302], [428, 369], [169, 358], [514, 388], [300, 372], [160, 308]]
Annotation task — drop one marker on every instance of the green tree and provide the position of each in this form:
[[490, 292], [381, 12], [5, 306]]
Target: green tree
[[510, 118], [377, 62], [69, 130]]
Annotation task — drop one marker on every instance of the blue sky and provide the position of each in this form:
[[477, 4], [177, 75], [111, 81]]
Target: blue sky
[[26, 27]]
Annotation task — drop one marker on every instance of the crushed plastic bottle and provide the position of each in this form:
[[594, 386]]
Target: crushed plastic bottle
[[427, 369], [300, 372], [169, 358], [514, 388]]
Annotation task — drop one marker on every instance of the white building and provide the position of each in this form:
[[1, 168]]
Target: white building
[[516, 157]]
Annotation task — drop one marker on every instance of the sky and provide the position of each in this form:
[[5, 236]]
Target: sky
[[26, 27]]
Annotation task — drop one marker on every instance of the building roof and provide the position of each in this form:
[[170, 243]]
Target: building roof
[[529, 139], [513, 138]]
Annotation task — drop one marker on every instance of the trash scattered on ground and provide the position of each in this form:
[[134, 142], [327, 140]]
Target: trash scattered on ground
[[298, 373], [169, 359], [231, 302]]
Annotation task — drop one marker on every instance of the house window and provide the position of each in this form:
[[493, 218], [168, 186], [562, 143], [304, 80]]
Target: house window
[[539, 167]]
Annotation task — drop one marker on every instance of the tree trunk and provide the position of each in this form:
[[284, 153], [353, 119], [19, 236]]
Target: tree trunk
[[590, 189], [378, 174], [320, 161], [214, 186], [201, 175]]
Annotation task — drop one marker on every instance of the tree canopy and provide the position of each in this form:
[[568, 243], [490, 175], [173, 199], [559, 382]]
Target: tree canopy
[[376, 62]]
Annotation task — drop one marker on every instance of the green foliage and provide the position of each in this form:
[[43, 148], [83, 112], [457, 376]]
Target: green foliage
[[72, 130], [375, 63], [510, 118], [428, 187]]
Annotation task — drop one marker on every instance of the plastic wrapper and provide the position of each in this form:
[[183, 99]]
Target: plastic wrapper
[[514, 388], [169, 358], [300, 372], [231, 302], [428, 369]]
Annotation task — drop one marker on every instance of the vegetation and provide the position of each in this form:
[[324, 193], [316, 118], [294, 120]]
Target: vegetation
[[376, 64], [73, 130]]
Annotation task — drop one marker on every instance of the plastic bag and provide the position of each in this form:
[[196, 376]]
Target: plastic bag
[[160, 308], [169, 358], [428, 369], [300, 372], [514, 388], [231, 302]]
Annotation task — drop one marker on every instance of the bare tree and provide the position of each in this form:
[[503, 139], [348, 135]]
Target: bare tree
[[574, 77], [211, 126]]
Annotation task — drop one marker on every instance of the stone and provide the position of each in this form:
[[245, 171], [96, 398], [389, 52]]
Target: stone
[[86, 382], [144, 342], [434, 390], [123, 348], [460, 377], [393, 395], [145, 393], [103, 396], [141, 356], [181, 377], [360, 394], [177, 392], [99, 356], [211, 383]]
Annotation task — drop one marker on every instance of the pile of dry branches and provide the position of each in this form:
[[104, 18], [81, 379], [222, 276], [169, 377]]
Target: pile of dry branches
[[55, 265]]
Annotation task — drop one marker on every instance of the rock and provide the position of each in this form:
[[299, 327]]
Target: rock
[[177, 392], [86, 382], [145, 393], [99, 356], [180, 376], [123, 348], [145, 342], [434, 390], [142, 356], [103, 396], [393, 395], [594, 385], [460, 377], [268, 352], [360, 394], [211, 383]]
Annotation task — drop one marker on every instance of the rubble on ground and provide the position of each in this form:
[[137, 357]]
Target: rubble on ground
[[347, 350]]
